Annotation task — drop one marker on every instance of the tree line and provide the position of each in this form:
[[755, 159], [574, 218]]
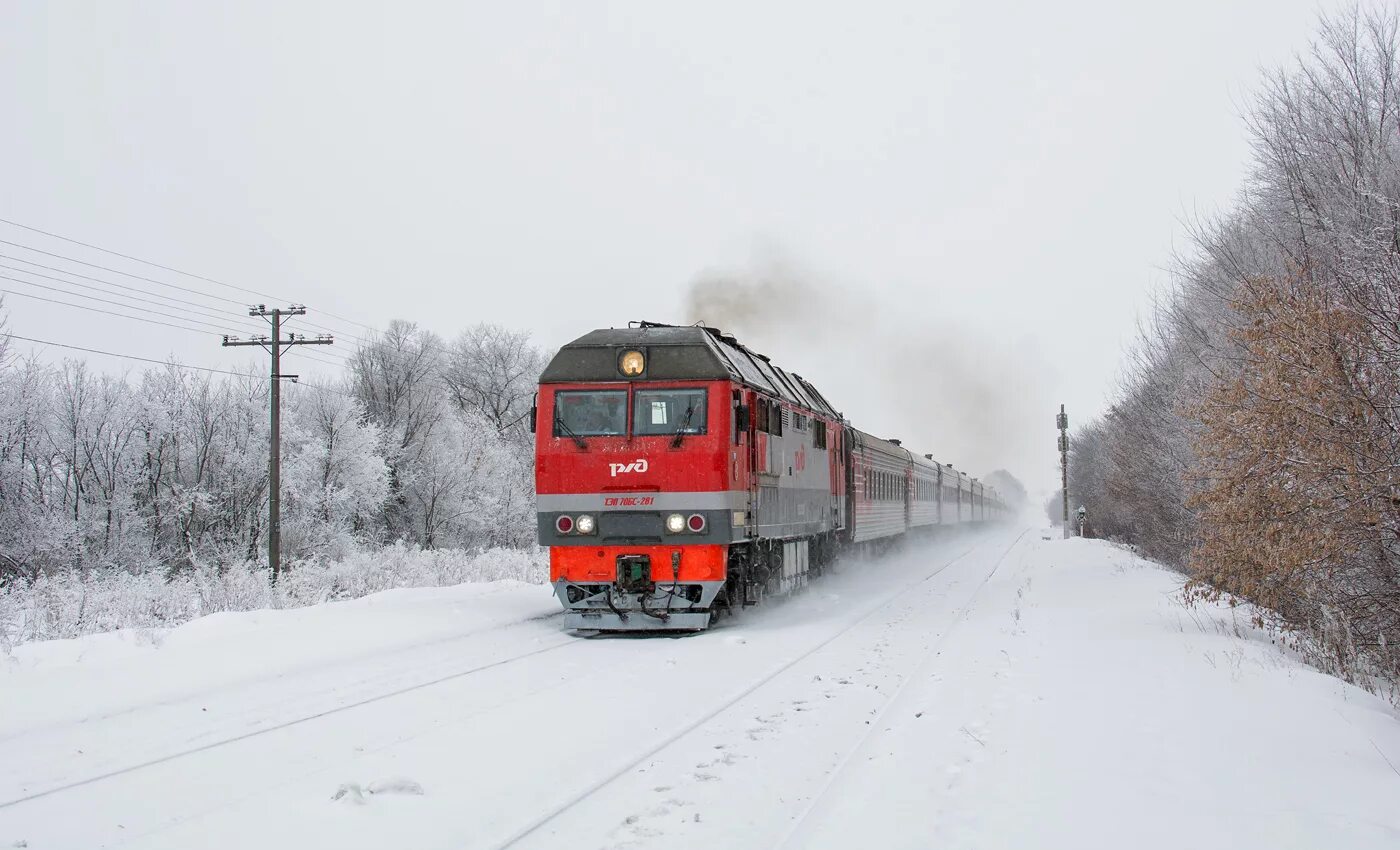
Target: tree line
[[424, 441], [1255, 438]]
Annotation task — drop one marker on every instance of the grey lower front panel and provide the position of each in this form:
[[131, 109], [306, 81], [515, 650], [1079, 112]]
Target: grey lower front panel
[[607, 621], [663, 608]]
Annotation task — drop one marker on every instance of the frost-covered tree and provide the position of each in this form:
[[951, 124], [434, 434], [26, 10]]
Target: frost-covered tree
[[396, 378], [165, 472], [1253, 441], [459, 472], [493, 371], [335, 476]]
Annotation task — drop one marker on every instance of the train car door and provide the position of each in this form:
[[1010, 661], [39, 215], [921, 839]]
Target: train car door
[[755, 461], [908, 498]]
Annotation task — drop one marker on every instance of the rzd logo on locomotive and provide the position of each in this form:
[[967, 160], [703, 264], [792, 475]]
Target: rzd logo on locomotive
[[638, 465]]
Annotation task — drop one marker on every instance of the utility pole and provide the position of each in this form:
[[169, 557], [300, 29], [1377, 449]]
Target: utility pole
[[274, 347], [1062, 422]]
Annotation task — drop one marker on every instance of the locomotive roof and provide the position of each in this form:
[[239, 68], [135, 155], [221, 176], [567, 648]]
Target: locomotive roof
[[681, 353]]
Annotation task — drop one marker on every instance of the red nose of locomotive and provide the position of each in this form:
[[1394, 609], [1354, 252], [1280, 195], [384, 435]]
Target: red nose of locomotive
[[632, 479]]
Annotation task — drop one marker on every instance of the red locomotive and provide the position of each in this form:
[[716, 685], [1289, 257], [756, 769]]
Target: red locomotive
[[680, 474]]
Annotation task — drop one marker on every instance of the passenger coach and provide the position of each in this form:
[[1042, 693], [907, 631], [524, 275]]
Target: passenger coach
[[680, 474]]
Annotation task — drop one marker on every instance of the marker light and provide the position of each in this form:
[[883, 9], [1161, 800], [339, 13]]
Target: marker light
[[584, 524], [696, 523], [675, 523], [564, 524], [632, 363]]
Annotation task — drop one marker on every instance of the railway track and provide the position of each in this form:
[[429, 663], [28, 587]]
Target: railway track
[[795, 828], [293, 671], [594, 788], [285, 724]]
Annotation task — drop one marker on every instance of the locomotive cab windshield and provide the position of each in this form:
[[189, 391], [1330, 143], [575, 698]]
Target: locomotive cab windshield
[[671, 412], [590, 413]]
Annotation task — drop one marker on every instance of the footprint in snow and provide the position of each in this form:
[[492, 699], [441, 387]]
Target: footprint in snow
[[353, 792]]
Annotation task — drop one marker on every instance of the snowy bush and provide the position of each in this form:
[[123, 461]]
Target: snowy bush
[[72, 604]]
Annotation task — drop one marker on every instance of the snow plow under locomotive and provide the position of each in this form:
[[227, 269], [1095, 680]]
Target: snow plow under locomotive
[[679, 475]]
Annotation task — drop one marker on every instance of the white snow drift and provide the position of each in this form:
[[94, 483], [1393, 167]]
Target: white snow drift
[[997, 691]]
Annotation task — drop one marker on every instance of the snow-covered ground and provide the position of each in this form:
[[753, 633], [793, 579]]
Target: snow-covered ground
[[1003, 690]]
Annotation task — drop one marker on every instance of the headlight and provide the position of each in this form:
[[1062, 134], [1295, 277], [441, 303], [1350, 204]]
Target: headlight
[[632, 363], [584, 524], [675, 523], [696, 523], [564, 524]]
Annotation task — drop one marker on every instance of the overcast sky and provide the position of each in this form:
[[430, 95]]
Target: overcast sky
[[1007, 178]]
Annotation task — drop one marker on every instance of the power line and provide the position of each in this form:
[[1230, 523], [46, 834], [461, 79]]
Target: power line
[[189, 310], [133, 357], [118, 271], [248, 375], [198, 292], [94, 309], [177, 365], [169, 268], [433, 380], [342, 357], [217, 328], [112, 283]]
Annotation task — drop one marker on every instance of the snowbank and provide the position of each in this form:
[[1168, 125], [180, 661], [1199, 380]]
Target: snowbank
[[71, 605], [1004, 690]]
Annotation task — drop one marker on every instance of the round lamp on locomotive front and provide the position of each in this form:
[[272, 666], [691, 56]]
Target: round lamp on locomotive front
[[632, 363]]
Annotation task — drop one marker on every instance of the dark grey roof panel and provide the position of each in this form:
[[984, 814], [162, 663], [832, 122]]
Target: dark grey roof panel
[[676, 353]]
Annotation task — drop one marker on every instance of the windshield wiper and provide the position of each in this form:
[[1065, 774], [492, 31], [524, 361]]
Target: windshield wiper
[[569, 432], [680, 429]]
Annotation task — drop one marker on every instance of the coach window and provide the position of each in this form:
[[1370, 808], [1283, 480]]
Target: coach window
[[590, 413], [668, 412]]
